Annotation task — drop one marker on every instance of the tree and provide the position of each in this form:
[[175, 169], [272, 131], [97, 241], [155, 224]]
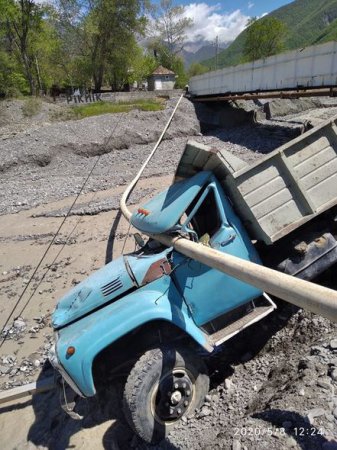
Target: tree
[[23, 20], [167, 29], [104, 30], [264, 37], [197, 69], [170, 25]]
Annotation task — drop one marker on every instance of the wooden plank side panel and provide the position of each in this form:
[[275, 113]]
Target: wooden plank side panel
[[319, 174], [280, 218], [325, 192], [257, 177], [273, 204], [268, 193], [260, 194], [316, 167], [319, 154]]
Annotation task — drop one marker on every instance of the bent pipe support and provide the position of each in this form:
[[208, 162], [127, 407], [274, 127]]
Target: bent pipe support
[[304, 294]]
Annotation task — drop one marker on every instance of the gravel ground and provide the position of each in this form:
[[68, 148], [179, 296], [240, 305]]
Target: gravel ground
[[51, 162], [272, 386]]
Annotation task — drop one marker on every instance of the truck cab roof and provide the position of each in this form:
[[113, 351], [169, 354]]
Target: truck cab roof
[[163, 212]]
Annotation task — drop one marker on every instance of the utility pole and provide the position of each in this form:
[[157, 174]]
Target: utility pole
[[216, 51]]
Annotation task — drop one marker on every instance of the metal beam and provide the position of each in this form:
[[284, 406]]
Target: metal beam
[[304, 294], [37, 387], [332, 92]]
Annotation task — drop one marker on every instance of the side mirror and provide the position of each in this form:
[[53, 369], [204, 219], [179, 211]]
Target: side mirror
[[139, 240]]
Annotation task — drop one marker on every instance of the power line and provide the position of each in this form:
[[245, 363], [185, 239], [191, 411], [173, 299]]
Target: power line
[[55, 235]]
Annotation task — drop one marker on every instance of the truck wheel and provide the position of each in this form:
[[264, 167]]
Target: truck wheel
[[164, 385]]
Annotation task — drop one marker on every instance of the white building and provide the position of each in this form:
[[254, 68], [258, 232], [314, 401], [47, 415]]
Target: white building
[[161, 79]]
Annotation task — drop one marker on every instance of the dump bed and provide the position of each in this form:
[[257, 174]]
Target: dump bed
[[282, 191]]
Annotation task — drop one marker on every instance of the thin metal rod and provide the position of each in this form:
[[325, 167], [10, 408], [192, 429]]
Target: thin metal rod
[[126, 213]]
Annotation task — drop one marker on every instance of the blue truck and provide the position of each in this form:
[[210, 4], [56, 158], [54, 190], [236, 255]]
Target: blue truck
[[155, 313]]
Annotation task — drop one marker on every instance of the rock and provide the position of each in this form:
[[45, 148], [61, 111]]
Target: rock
[[333, 374], [9, 359], [334, 412], [324, 384], [316, 350], [329, 417], [291, 442], [19, 324], [313, 413], [4, 369], [236, 445], [205, 411], [228, 384], [301, 392], [333, 344], [316, 412]]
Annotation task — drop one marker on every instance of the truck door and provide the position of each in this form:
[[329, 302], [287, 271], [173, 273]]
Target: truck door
[[209, 292]]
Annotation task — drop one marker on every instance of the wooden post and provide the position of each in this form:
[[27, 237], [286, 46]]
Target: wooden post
[[26, 390]]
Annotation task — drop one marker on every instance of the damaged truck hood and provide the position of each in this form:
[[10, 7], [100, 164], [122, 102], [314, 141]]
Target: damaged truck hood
[[110, 283], [99, 288]]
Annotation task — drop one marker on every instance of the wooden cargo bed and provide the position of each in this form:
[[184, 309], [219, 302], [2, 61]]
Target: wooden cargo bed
[[285, 189]]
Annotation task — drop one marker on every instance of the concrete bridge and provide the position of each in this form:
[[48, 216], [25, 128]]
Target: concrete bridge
[[304, 72]]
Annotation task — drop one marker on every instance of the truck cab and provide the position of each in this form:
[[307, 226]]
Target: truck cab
[[157, 311]]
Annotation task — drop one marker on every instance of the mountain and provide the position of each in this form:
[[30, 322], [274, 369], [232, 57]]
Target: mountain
[[197, 52], [309, 22]]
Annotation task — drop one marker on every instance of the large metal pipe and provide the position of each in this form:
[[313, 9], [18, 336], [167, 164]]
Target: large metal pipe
[[304, 294]]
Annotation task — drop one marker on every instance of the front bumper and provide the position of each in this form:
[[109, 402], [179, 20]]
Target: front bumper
[[58, 367]]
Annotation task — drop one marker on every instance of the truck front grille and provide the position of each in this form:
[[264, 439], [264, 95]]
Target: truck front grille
[[111, 287]]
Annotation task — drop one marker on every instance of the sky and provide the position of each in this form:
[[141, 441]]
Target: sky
[[226, 18]]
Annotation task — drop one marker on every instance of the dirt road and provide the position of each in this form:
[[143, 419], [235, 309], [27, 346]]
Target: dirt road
[[273, 386]]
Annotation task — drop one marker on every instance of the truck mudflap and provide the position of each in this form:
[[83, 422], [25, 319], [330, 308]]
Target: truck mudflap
[[92, 334]]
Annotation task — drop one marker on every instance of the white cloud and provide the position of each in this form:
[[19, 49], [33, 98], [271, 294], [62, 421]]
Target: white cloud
[[250, 5], [209, 23]]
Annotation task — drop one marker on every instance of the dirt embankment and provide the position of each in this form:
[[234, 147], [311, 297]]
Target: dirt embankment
[[273, 386]]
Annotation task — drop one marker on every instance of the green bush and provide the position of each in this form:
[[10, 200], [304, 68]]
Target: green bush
[[31, 106], [95, 109]]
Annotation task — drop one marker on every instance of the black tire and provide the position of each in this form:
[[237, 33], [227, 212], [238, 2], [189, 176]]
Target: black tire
[[148, 407]]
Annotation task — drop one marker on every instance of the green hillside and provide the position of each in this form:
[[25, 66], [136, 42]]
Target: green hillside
[[309, 22]]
